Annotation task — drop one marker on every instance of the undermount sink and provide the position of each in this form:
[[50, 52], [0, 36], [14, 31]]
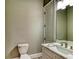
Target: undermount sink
[[61, 49], [64, 50]]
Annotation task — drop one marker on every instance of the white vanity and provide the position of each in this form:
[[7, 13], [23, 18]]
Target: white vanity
[[55, 51]]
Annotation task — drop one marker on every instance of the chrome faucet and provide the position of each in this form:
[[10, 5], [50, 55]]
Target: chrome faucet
[[64, 43], [44, 41], [71, 47]]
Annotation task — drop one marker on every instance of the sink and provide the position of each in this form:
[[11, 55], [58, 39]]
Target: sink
[[64, 50], [61, 49]]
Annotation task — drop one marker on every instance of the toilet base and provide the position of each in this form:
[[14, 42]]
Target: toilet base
[[25, 56]]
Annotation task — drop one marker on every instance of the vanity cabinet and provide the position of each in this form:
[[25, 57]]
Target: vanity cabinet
[[58, 57], [48, 54]]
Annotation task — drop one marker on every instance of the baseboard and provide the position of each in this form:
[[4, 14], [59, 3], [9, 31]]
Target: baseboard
[[36, 55]]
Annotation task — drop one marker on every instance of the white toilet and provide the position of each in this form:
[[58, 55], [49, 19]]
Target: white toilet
[[23, 48]]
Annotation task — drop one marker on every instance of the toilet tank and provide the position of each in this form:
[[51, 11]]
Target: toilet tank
[[23, 48]]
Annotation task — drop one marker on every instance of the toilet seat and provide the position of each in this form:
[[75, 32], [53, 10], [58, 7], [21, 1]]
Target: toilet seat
[[25, 56]]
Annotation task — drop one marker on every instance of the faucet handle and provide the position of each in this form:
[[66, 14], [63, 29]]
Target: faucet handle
[[64, 43], [61, 44], [71, 47]]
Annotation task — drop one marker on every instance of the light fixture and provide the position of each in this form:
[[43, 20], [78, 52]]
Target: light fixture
[[63, 3]]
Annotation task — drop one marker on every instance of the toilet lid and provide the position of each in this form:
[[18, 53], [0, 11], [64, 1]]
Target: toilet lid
[[25, 56]]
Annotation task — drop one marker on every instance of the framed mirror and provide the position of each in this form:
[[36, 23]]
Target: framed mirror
[[64, 24]]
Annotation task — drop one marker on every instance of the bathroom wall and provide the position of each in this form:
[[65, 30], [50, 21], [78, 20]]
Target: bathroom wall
[[23, 24], [70, 23], [61, 25], [49, 21]]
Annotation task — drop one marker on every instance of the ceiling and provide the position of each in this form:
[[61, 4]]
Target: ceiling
[[45, 2]]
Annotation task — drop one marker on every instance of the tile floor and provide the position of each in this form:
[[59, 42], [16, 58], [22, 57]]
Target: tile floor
[[33, 58], [38, 58]]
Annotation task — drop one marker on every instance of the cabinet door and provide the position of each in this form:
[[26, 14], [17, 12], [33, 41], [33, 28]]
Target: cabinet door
[[45, 56], [59, 57], [49, 53]]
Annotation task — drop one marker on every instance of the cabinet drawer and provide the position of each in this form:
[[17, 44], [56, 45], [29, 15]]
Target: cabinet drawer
[[59, 57], [45, 56], [48, 52], [51, 54]]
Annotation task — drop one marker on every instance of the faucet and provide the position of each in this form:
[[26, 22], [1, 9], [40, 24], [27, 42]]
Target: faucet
[[64, 43], [44, 40], [71, 47]]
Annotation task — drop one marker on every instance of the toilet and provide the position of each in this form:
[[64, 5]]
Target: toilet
[[23, 48]]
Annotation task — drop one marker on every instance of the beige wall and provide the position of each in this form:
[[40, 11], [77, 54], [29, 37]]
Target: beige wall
[[70, 23], [24, 24]]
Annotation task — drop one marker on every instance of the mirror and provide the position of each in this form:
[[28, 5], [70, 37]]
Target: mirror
[[64, 25]]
